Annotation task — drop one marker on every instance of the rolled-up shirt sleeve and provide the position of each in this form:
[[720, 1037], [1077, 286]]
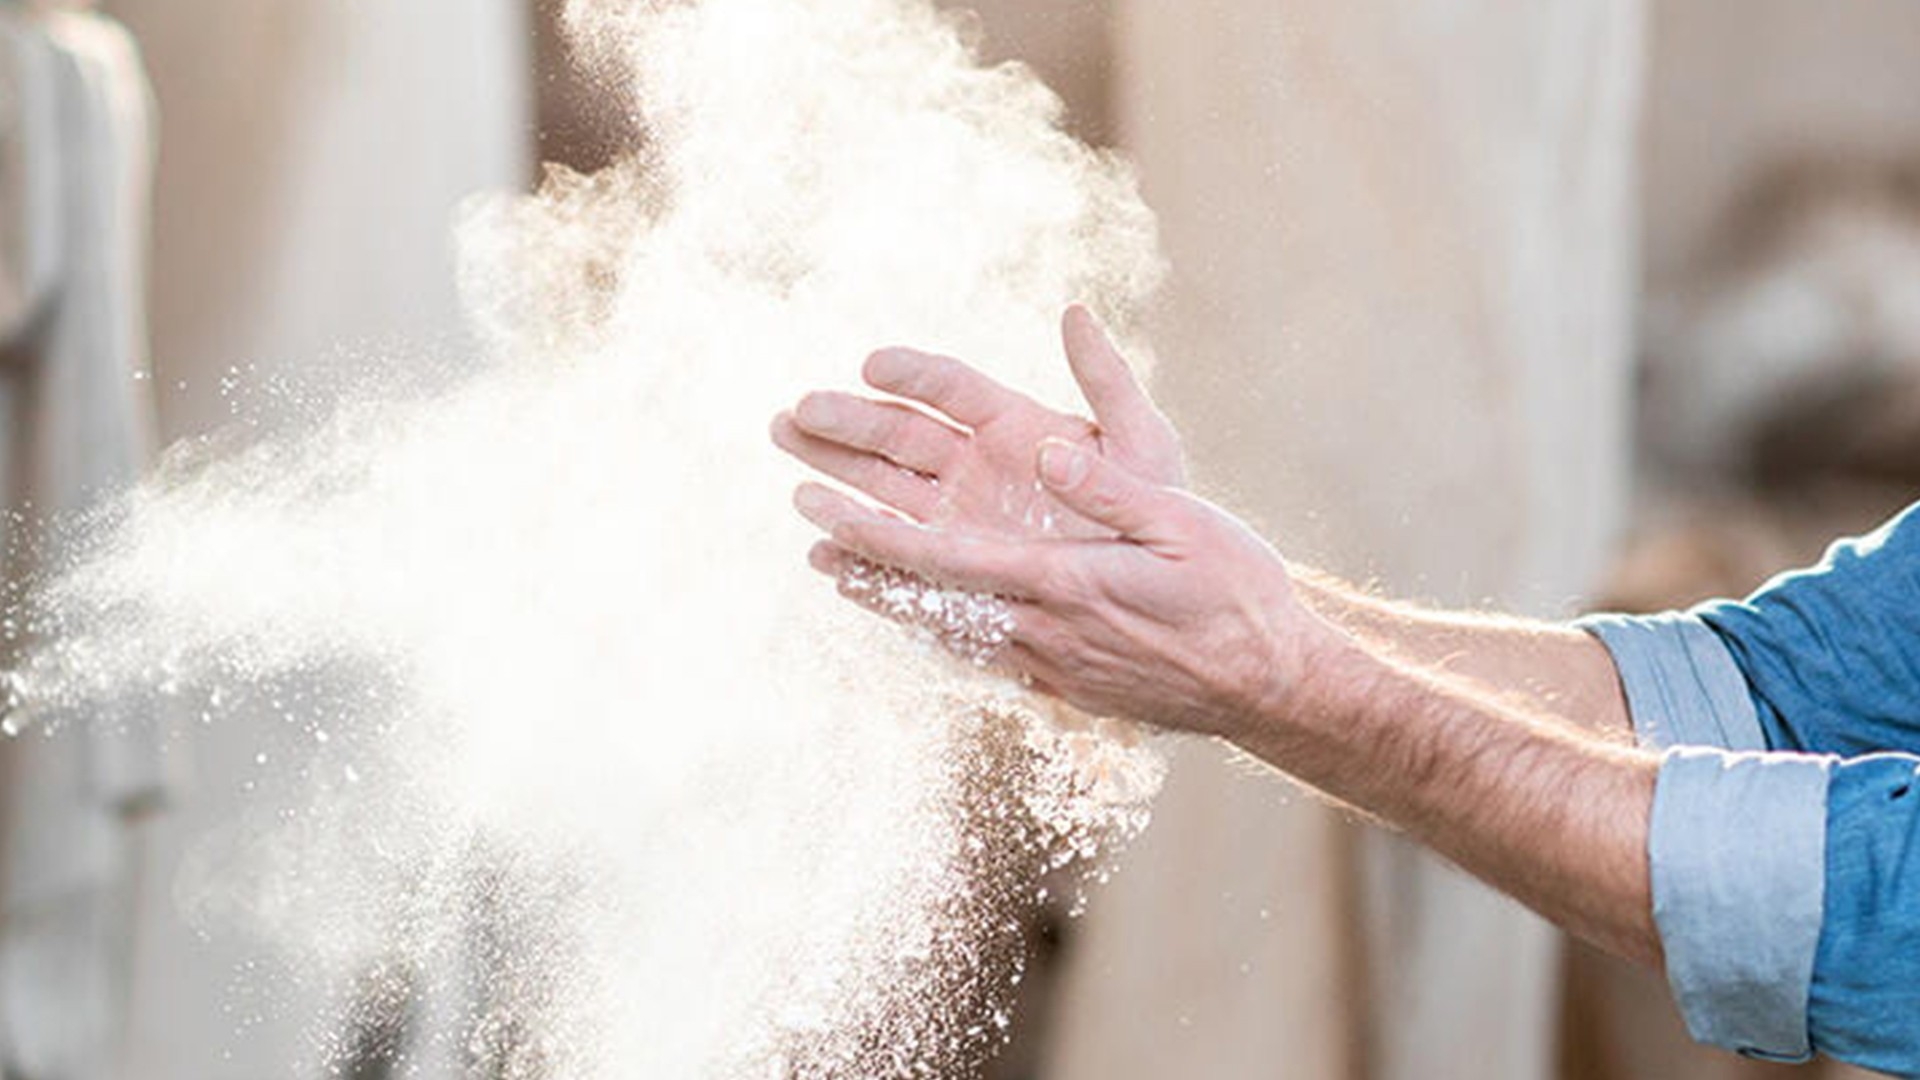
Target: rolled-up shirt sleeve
[[1738, 854], [1785, 843], [1786, 888], [1824, 660], [1737, 841], [1682, 685]]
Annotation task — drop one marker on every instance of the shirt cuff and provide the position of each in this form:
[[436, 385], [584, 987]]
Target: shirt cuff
[[1738, 859], [1683, 686]]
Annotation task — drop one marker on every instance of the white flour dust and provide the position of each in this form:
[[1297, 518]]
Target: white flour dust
[[601, 774]]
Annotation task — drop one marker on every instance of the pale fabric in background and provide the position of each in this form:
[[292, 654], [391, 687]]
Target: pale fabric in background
[[314, 153], [1399, 335], [76, 149]]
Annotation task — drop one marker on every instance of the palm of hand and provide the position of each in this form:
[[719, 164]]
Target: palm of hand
[[993, 486]]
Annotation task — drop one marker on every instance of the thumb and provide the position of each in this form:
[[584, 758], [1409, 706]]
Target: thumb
[[1102, 491], [1120, 404]]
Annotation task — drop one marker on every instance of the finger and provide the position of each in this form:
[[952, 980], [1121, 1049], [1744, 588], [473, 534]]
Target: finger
[[1034, 626], [1038, 684], [1119, 402], [1032, 623], [830, 558], [951, 559], [1036, 669], [942, 382], [1039, 648], [1097, 488], [901, 434], [829, 509], [977, 631], [902, 489]]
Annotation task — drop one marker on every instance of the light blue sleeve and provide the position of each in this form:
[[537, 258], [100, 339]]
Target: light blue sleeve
[[1827, 658], [1737, 844], [1738, 859], [1683, 687], [1786, 886]]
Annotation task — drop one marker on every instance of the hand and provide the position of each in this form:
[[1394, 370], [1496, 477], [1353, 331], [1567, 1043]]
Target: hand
[[970, 467], [1179, 615]]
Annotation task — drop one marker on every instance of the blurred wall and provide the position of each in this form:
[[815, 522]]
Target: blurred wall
[[312, 154]]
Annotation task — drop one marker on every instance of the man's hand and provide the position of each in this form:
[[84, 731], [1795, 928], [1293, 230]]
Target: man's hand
[[1131, 598], [969, 465], [1176, 614]]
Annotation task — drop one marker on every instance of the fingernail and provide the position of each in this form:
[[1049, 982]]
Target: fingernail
[[883, 365], [1063, 465], [824, 557], [815, 410], [808, 499]]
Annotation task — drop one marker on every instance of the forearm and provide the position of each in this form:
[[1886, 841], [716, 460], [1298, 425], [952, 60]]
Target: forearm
[[1546, 669], [1555, 817], [1189, 620]]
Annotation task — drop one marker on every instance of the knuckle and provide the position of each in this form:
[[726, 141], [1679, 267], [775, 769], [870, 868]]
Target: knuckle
[[1104, 498], [868, 472]]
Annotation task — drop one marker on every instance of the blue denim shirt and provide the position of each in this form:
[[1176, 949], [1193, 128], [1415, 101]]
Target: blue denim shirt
[[1785, 847]]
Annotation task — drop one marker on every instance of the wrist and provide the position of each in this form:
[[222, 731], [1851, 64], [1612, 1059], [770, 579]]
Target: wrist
[[1313, 670]]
